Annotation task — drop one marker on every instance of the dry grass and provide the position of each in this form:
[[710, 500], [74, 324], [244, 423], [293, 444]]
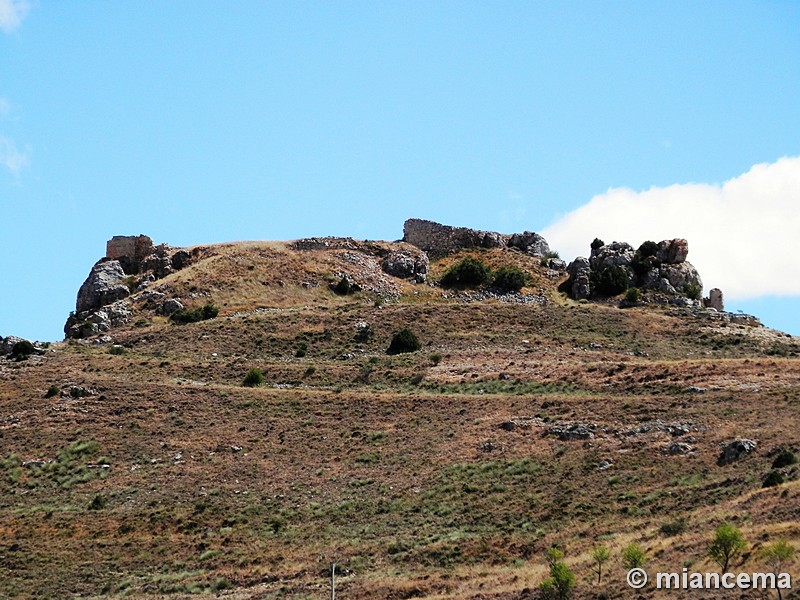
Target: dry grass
[[395, 467]]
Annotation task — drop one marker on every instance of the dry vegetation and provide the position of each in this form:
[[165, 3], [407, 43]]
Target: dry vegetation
[[429, 474]]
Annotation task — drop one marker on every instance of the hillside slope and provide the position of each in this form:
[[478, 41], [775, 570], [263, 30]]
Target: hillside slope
[[135, 462]]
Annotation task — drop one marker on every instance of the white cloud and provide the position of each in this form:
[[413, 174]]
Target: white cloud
[[12, 12], [743, 234], [10, 157]]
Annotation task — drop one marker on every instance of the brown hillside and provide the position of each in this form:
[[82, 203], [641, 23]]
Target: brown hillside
[[525, 420]]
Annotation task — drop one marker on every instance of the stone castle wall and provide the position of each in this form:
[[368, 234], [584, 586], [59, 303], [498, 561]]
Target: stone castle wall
[[439, 240]]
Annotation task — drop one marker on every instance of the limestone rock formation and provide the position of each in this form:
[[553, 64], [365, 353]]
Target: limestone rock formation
[[580, 272], [104, 285], [407, 264], [661, 268]]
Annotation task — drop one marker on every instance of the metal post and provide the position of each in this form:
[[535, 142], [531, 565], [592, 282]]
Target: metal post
[[333, 581]]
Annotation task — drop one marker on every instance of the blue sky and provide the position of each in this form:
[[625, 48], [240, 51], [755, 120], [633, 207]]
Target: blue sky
[[199, 122]]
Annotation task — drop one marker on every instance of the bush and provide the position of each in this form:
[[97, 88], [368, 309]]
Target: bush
[[469, 272], [194, 315], [22, 350], [773, 478], [98, 502], [597, 243], [648, 248], [693, 291], [509, 279], [403, 341], [633, 556], [785, 458], [302, 350], [254, 378], [611, 280], [53, 390], [633, 295], [561, 582]]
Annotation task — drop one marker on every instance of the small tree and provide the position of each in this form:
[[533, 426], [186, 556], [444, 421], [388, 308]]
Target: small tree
[[254, 378], [633, 556], [600, 554], [728, 543], [561, 582], [777, 555], [403, 341]]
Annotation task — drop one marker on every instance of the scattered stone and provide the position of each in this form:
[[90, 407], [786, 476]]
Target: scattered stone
[[605, 464], [574, 431], [736, 450], [78, 391], [236, 448], [677, 448], [693, 389]]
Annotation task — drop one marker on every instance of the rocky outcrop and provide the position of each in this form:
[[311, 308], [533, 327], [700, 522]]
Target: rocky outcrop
[[407, 264], [104, 285], [580, 272], [131, 262], [735, 450], [612, 268], [440, 240]]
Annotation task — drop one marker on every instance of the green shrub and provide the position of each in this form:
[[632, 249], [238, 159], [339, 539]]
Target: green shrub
[[194, 315], [22, 350], [53, 390], [99, 502], [302, 350], [436, 358], [610, 281], [633, 556], [773, 478], [254, 378], [509, 279], [117, 350], [648, 248], [404, 341], [561, 582], [633, 295], [468, 272], [597, 243], [785, 458], [693, 291]]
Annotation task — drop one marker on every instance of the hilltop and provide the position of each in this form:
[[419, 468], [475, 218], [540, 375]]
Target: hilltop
[[565, 410]]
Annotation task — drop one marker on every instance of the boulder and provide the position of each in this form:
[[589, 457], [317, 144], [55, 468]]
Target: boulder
[[530, 243], [170, 306], [681, 275], [615, 254], [579, 284], [181, 259], [104, 285], [673, 252], [407, 265], [736, 450], [7, 344]]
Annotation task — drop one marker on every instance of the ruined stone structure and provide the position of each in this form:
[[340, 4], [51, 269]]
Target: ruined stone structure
[[439, 240], [129, 250]]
